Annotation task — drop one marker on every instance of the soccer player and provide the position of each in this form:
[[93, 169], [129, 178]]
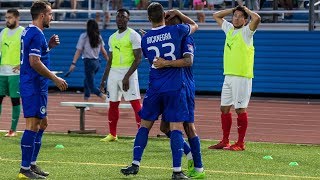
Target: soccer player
[[188, 49], [10, 65], [238, 63], [34, 76], [166, 94], [121, 71], [195, 167]]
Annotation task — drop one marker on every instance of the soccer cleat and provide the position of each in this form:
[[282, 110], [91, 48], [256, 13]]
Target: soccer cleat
[[109, 138], [190, 165], [221, 145], [28, 174], [133, 169], [196, 175], [179, 175], [36, 169], [11, 133], [235, 147]]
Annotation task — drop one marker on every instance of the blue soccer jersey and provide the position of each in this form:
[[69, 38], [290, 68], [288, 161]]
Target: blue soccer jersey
[[33, 42], [188, 47], [165, 42]]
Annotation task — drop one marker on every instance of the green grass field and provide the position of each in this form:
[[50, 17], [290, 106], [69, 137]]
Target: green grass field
[[84, 157]]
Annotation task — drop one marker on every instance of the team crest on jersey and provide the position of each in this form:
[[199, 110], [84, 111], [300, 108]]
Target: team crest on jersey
[[190, 48], [43, 110]]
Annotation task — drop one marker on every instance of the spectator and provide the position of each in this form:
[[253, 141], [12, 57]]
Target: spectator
[[57, 5], [141, 4], [116, 4], [287, 5], [210, 4], [199, 5], [100, 5], [251, 4], [90, 44]]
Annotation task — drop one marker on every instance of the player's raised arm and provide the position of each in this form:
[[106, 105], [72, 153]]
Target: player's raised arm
[[219, 16], [185, 19], [255, 19]]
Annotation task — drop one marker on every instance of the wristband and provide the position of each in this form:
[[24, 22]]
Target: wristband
[[73, 63]]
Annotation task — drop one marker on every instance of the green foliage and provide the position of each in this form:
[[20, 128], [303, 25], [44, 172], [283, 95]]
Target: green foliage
[[84, 157]]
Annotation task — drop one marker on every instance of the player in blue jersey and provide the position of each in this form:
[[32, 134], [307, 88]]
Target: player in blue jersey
[[195, 167], [166, 94], [34, 76]]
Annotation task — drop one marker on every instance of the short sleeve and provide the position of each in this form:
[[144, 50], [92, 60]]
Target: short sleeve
[[81, 41], [226, 26], [135, 40], [1, 33], [35, 45], [188, 46], [247, 35], [184, 30], [109, 44]]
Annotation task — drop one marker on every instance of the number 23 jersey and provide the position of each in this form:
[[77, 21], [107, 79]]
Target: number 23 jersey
[[164, 42]]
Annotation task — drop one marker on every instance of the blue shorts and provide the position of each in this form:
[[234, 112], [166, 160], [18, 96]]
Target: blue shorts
[[190, 94], [35, 106], [172, 105]]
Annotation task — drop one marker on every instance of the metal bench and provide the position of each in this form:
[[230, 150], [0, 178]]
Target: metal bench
[[81, 106]]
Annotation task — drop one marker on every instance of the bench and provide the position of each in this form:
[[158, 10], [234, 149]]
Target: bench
[[81, 106]]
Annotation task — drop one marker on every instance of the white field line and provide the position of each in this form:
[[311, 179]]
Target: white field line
[[150, 167]]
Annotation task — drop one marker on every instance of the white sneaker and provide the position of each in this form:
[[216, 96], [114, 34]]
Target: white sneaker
[[87, 109]]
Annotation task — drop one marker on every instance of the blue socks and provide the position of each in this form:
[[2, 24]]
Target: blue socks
[[176, 142], [37, 146], [139, 144], [27, 148], [196, 151], [186, 147]]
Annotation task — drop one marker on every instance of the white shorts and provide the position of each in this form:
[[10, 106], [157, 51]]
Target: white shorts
[[114, 85], [236, 91]]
